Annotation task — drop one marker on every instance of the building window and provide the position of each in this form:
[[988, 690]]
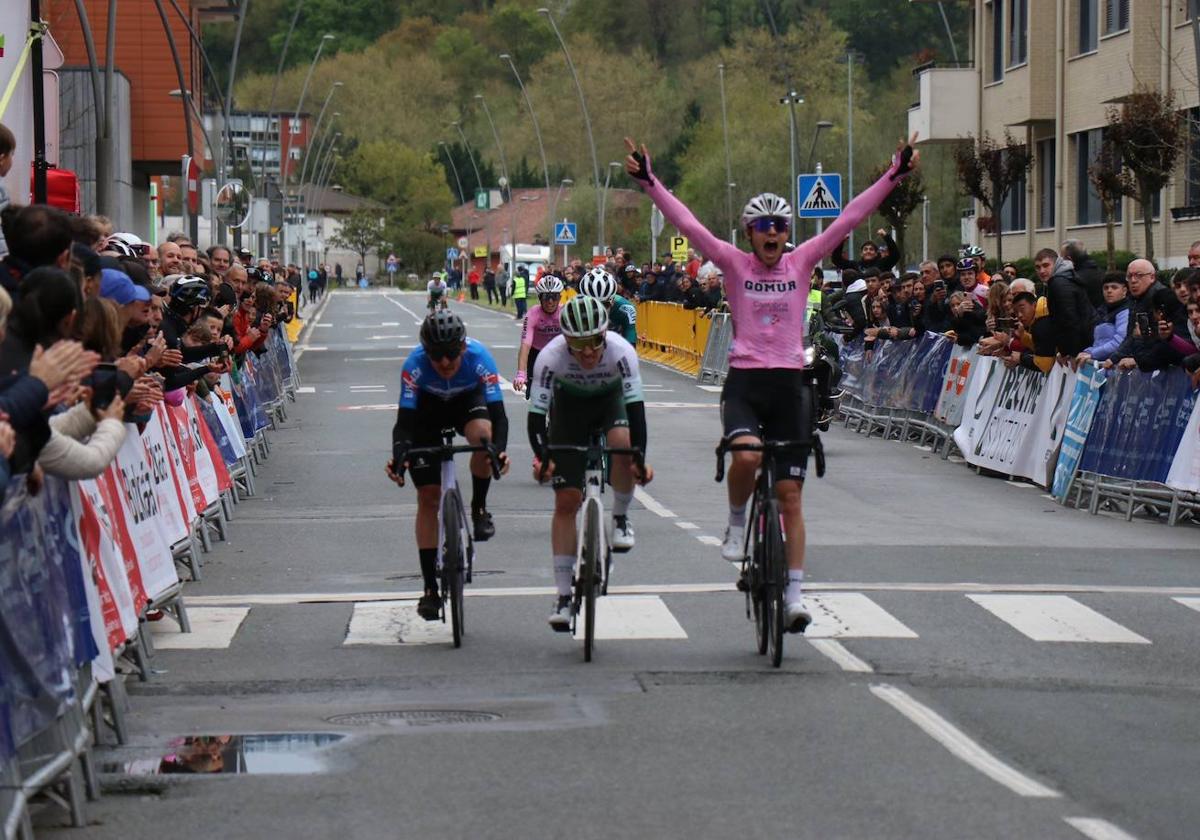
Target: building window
[[1116, 16], [1012, 211], [293, 154], [1191, 192], [997, 40], [1018, 26], [1088, 29], [1088, 210], [1046, 173], [294, 125]]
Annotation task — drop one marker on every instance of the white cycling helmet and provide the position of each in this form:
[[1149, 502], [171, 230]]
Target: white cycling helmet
[[766, 206], [549, 285], [583, 317], [598, 284]]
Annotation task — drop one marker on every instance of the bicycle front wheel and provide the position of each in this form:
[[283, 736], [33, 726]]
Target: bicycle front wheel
[[453, 562], [775, 580], [589, 574]]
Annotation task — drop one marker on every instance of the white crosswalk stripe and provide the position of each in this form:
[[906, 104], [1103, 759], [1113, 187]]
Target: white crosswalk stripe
[[393, 620], [1056, 618]]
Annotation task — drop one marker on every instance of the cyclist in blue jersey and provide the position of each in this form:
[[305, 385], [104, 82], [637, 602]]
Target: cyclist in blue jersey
[[450, 381]]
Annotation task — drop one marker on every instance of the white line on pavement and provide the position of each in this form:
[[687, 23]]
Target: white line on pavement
[[712, 389], [635, 617], [649, 503], [1056, 618], [1194, 603], [416, 318], [306, 389], [212, 628], [1097, 829], [843, 658], [844, 615], [394, 624], [960, 744], [687, 526], [709, 540]]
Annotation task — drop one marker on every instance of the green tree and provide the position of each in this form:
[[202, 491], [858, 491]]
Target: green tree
[[409, 182], [900, 204], [419, 251], [1107, 180], [361, 232], [988, 172]]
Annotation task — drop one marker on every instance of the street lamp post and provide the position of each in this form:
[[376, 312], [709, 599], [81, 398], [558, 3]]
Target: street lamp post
[[185, 99], [851, 58], [728, 163], [512, 205], [565, 182], [287, 41], [317, 130], [286, 153], [812, 150], [587, 121], [612, 164], [792, 99], [470, 155], [537, 131], [462, 198]]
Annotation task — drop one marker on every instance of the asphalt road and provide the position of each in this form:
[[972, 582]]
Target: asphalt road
[[984, 664]]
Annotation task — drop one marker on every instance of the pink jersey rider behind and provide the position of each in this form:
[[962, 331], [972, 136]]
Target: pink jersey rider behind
[[539, 327]]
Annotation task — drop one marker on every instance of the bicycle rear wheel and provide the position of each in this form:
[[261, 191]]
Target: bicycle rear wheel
[[757, 590], [589, 575], [775, 580], [452, 562]]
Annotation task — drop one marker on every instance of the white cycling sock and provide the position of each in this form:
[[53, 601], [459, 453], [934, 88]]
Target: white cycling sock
[[795, 584], [564, 571], [621, 502], [737, 516]]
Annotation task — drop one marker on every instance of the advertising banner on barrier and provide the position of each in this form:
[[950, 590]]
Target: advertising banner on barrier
[[1012, 423], [104, 610], [181, 430], [1185, 467], [222, 403], [1088, 382], [102, 546], [131, 472], [182, 475], [1139, 424], [111, 509], [955, 383], [173, 521], [204, 435]]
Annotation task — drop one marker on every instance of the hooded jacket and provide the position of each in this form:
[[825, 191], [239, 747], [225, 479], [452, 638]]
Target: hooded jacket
[[856, 306], [1070, 309], [1112, 324]]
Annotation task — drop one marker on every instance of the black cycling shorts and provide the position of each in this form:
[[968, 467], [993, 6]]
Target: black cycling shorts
[[770, 404], [573, 418], [435, 414]]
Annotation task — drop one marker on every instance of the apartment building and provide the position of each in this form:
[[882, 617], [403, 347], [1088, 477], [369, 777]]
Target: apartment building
[[1046, 72]]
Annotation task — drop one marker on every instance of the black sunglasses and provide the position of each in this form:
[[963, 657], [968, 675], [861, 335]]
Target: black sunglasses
[[440, 352]]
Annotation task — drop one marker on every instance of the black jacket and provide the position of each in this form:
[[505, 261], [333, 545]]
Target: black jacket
[[838, 258], [1092, 280], [969, 328], [1071, 310]]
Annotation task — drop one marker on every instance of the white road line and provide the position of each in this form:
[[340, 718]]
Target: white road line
[[687, 526], [306, 389], [1056, 618], [960, 744], [313, 323], [1194, 603], [367, 387], [708, 540], [394, 624], [634, 617], [374, 407], [712, 389], [323, 326], [212, 628], [650, 504], [843, 658], [852, 615], [1097, 829], [308, 349], [416, 318], [680, 405]]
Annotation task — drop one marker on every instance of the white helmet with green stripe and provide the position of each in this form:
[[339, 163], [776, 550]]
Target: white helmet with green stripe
[[584, 317]]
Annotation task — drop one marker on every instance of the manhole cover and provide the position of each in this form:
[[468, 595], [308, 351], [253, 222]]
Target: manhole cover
[[414, 717]]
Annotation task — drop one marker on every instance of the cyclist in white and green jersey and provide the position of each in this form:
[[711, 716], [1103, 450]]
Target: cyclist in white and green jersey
[[591, 377], [622, 315]]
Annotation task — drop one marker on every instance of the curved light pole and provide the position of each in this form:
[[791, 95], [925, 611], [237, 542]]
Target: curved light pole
[[462, 198], [317, 128], [287, 41], [728, 164], [812, 149], [300, 103], [512, 205], [537, 130], [587, 122], [470, 155], [612, 164], [792, 99], [185, 98]]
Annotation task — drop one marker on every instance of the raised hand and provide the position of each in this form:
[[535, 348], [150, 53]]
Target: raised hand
[[637, 161], [907, 158]]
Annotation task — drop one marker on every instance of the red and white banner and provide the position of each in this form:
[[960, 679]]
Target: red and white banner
[[174, 522], [131, 473], [207, 449], [101, 543]]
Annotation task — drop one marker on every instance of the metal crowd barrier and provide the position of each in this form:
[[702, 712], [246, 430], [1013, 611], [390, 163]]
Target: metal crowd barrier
[[672, 335], [714, 362]]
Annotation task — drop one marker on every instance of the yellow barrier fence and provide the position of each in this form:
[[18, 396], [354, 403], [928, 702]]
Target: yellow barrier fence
[[672, 335]]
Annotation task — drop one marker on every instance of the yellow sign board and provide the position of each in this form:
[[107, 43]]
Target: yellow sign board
[[481, 251], [679, 248]]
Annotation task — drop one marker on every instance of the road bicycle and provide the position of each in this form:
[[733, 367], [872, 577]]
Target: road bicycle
[[593, 553], [456, 559], [764, 557]]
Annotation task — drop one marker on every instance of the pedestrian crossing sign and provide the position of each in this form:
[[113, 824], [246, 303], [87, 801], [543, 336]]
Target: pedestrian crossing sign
[[564, 233], [820, 195]]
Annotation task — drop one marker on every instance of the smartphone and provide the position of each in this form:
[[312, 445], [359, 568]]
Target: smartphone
[[104, 385], [1005, 325], [1143, 322]]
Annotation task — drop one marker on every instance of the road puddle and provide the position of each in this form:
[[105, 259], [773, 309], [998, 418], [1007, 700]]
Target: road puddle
[[298, 753]]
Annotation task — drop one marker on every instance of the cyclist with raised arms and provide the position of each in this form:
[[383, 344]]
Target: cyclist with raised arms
[[592, 379], [622, 315], [541, 324], [450, 381], [438, 292], [764, 393]]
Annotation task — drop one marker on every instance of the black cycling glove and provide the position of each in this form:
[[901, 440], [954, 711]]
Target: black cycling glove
[[643, 171], [905, 164]]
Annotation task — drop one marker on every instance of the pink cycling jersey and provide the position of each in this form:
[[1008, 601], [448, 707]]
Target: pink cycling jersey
[[539, 327], [768, 305]]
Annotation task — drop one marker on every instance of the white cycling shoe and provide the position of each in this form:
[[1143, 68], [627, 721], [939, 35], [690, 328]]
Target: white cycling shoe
[[560, 619], [622, 534], [733, 548], [795, 617]]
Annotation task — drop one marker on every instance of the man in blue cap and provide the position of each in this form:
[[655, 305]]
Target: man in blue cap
[[132, 300]]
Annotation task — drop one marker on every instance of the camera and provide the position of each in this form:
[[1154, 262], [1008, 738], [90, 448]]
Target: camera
[[104, 382], [1143, 323]]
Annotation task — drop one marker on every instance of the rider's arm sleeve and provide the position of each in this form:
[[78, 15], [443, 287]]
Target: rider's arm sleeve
[[402, 433], [499, 425], [636, 411], [536, 428], [854, 214], [716, 249]]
